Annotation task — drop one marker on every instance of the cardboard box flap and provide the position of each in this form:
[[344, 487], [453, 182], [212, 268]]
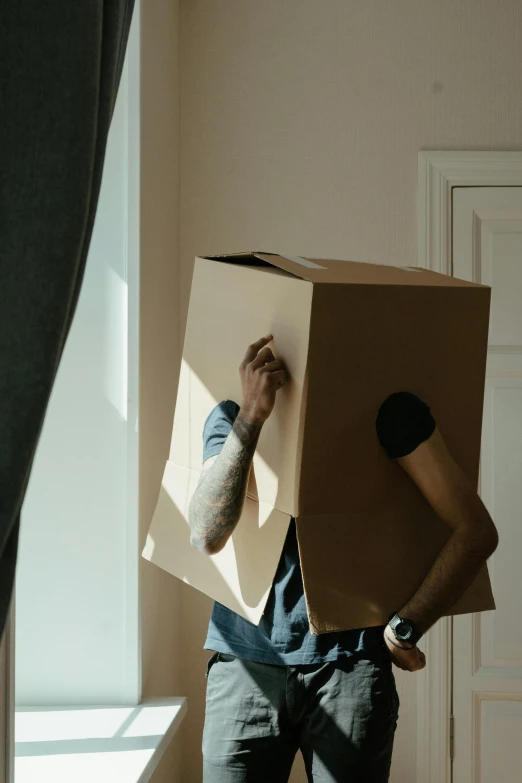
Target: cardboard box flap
[[241, 575], [331, 271], [357, 273], [241, 259], [302, 268], [305, 268]]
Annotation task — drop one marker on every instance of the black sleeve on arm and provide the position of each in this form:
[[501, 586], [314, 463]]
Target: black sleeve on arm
[[404, 422], [217, 427]]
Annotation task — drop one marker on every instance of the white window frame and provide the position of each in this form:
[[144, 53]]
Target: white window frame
[[439, 173]]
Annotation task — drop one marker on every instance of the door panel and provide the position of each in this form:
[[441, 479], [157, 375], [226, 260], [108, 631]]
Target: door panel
[[487, 654], [500, 638], [499, 254]]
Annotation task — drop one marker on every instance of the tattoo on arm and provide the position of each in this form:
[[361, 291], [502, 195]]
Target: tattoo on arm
[[218, 501]]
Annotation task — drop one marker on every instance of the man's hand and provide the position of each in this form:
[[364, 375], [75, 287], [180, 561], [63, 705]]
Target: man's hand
[[217, 503], [261, 376], [408, 660]]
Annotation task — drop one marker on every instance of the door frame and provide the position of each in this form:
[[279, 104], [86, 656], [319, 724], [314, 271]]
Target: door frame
[[438, 174]]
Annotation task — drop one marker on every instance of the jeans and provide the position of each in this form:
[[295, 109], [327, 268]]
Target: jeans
[[341, 715], [60, 67]]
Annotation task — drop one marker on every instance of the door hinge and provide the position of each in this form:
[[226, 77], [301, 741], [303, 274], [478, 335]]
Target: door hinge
[[452, 737]]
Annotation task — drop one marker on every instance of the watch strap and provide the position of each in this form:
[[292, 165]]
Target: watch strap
[[414, 637], [399, 646]]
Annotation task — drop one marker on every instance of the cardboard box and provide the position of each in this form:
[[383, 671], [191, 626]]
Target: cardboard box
[[350, 335]]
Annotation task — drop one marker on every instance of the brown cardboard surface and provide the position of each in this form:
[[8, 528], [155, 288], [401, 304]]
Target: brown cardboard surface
[[350, 335], [366, 343], [429, 340], [372, 564]]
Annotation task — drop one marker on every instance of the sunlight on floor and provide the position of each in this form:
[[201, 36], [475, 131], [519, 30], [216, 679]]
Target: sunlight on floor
[[102, 744], [120, 767]]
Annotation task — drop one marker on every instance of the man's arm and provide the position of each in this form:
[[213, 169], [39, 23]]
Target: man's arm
[[474, 537], [409, 434], [217, 504], [218, 501]]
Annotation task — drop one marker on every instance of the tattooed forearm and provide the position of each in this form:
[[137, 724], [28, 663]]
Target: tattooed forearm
[[218, 501]]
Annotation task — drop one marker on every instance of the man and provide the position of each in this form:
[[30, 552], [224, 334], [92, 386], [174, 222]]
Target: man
[[276, 688]]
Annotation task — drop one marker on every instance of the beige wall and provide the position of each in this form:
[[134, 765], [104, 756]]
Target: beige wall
[[159, 340], [301, 124]]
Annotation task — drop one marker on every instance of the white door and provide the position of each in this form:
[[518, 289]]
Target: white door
[[487, 647]]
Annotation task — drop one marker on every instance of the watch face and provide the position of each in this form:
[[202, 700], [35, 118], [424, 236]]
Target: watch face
[[403, 630]]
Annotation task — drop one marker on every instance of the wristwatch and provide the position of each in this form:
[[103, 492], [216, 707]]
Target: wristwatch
[[404, 630]]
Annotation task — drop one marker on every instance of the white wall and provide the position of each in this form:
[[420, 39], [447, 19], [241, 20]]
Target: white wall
[[76, 608], [301, 125]]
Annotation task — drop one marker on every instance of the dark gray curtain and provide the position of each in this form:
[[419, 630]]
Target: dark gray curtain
[[60, 67]]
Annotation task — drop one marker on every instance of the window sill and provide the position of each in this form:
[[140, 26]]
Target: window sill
[[103, 744]]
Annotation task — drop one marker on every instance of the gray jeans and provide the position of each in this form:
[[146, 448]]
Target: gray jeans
[[341, 715]]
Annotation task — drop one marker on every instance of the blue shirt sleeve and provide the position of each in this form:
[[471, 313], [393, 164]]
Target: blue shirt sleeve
[[217, 427], [404, 422]]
